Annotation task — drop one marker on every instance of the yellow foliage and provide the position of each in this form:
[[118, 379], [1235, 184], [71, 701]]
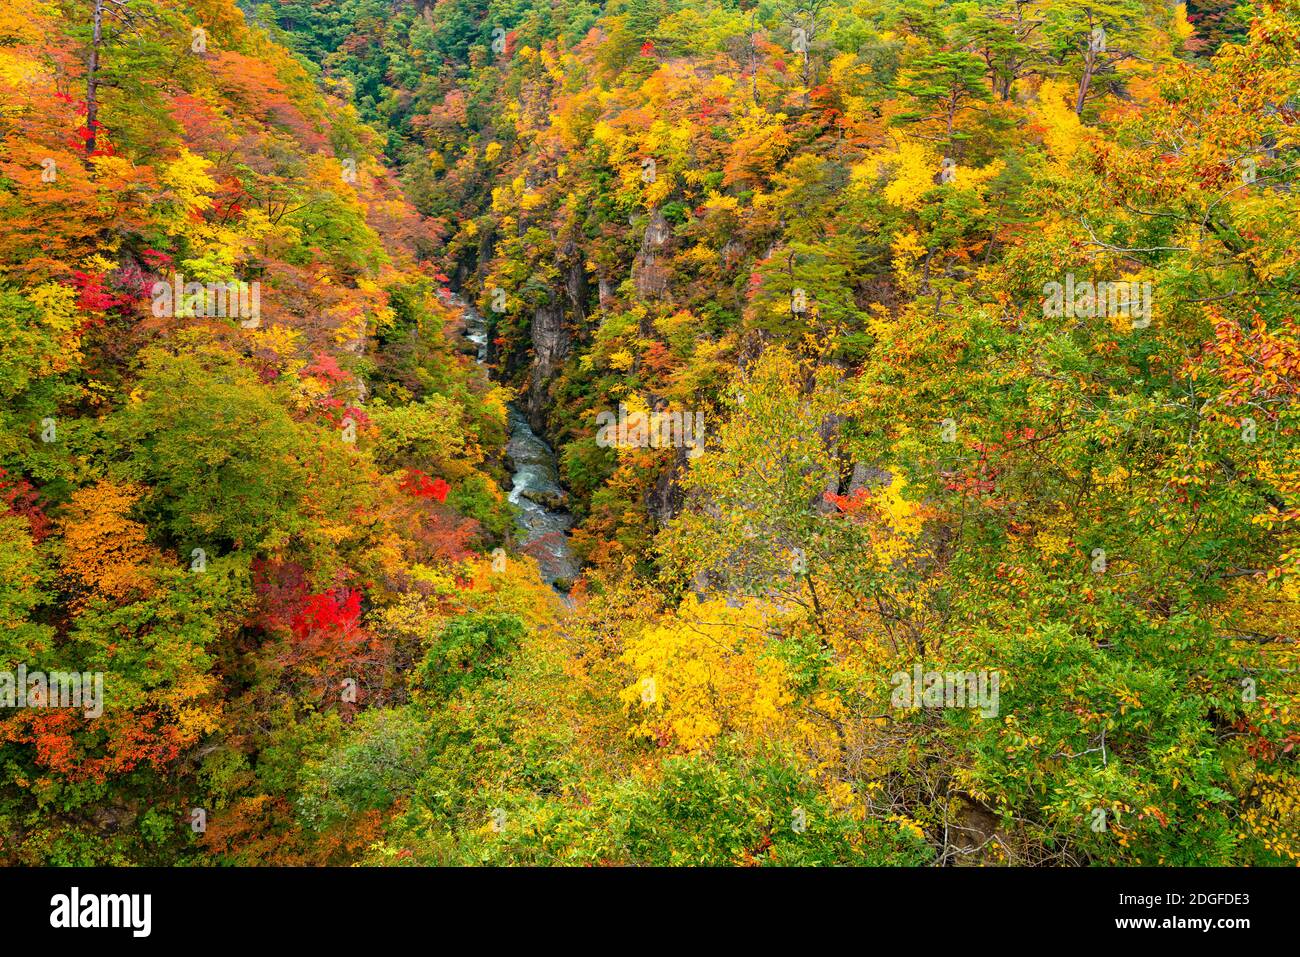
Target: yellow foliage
[[58, 306], [904, 517], [907, 250], [1274, 815], [187, 178], [192, 720], [703, 671], [1062, 131], [913, 166], [1182, 29]]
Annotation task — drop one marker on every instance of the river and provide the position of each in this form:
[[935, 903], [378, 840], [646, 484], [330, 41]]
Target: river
[[543, 520]]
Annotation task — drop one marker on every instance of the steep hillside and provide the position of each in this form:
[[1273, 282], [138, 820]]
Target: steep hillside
[[248, 502]]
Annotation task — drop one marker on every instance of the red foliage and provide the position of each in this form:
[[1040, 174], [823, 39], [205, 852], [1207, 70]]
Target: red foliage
[[851, 504], [325, 367], [443, 535], [93, 296], [711, 106], [421, 486], [336, 411], [81, 135], [327, 641], [229, 201], [20, 498], [657, 358], [59, 741], [287, 602], [337, 611]]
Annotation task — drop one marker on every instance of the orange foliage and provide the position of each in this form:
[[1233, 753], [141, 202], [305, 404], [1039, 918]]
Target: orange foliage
[[106, 554]]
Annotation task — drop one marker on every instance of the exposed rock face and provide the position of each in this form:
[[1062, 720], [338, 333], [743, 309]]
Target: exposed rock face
[[551, 332], [575, 281], [664, 498], [550, 346], [829, 430], [868, 476], [649, 274], [863, 476]]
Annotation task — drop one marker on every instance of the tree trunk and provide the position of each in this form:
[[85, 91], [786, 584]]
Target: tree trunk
[[1086, 80], [92, 78]]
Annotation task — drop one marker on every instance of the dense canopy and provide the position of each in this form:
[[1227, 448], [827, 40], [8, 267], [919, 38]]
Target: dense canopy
[[921, 378]]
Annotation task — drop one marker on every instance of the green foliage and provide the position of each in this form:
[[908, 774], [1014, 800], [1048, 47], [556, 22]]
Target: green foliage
[[469, 650], [226, 462], [378, 761]]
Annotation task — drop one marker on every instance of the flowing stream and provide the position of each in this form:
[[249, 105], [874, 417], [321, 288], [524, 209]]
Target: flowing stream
[[543, 520]]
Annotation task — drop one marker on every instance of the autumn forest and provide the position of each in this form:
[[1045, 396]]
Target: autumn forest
[[649, 432]]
